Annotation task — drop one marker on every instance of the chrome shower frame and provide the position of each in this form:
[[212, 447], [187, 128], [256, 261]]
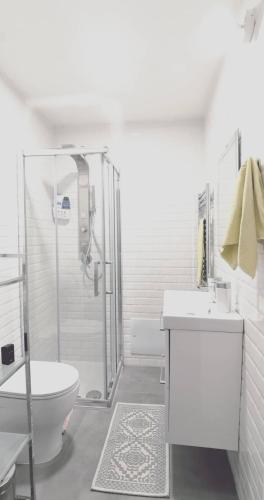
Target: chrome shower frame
[[109, 390]]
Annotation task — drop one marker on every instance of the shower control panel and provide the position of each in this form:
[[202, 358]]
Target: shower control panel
[[63, 208]]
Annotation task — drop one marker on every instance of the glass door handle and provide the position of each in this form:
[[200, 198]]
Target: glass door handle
[[110, 292], [96, 278], [162, 329]]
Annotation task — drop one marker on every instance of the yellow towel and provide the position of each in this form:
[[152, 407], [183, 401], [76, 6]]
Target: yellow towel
[[246, 226], [200, 253]]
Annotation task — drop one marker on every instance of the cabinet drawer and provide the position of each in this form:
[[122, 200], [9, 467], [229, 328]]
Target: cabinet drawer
[[204, 388]]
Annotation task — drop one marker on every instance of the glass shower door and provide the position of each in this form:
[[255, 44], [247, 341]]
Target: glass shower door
[[118, 276], [113, 274], [80, 277], [89, 288], [109, 278], [74, 251]]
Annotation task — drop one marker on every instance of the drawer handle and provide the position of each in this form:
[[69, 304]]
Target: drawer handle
[[162, 329]]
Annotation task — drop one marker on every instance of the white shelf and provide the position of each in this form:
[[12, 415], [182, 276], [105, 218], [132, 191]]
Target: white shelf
[[11, 445], [6, 371]]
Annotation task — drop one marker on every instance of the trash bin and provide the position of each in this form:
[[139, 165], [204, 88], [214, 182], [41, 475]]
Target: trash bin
[[7, 485]]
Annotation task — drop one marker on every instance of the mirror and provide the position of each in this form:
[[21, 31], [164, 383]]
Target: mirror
[[205, 247]]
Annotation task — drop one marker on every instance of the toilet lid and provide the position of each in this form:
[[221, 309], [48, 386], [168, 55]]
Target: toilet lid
[[47, 378]]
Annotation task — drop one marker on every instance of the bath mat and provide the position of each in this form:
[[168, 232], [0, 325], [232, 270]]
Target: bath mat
[[135, 457]]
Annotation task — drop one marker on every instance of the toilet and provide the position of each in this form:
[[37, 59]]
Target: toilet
[[55, 388]]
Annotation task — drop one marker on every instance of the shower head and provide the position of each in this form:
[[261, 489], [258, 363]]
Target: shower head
[[80, 160], [86, 203], [81, 163]]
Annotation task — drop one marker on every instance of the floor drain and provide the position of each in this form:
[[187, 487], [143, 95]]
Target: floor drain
[[94, 394]]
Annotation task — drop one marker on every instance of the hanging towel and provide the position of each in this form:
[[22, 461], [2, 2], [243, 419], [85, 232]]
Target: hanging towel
[[201, 253], [246, 226]]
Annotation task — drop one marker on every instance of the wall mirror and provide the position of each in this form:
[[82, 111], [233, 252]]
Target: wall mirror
[[206, 246]]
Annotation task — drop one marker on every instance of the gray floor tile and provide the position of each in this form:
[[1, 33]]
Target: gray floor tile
[[197, 474], [141, 380], [139, 397]]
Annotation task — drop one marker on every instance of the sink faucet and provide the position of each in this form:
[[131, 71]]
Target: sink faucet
[[212, 289]]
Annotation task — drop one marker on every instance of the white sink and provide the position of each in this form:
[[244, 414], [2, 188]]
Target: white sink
[[191, 310]]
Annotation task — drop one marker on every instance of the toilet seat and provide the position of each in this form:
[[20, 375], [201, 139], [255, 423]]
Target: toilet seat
[[48, 380]]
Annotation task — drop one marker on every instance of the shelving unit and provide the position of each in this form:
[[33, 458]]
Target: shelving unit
[[6, 371], [11, 444]]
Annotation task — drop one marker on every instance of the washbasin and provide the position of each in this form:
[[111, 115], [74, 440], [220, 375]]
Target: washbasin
[[192, 310]]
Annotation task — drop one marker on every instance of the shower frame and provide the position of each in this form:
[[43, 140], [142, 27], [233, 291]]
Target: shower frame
[[116, 265]]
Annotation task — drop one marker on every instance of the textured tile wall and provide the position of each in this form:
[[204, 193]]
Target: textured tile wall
[[161, 168], [20, 129], [238, 102]]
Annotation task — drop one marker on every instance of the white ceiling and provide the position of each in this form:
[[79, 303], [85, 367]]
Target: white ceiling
[[84, 61]]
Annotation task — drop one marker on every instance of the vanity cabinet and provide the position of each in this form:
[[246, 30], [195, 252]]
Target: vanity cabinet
[[203, 373]]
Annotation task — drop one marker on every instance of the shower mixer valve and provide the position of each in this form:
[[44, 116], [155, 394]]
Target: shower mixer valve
[[62, 210]]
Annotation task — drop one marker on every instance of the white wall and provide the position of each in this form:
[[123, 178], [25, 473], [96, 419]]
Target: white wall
[[160, 170], [19, 129], [238, 103]]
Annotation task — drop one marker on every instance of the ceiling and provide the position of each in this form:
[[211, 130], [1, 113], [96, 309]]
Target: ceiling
[[87, 61]]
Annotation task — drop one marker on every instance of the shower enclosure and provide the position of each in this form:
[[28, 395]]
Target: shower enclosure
[[72, 254]]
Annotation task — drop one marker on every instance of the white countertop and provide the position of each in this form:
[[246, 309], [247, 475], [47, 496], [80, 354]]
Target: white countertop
[[191, 310]]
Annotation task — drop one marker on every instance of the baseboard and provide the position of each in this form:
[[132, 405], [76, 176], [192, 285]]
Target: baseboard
[[144, 361], [239, 488]]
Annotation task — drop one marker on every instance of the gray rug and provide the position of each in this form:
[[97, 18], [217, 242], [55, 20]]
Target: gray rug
[[135, 457]]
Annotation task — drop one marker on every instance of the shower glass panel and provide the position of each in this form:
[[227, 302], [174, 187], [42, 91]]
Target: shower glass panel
[[80, 284], [40, 250], [110, 274], [73, 249], [118, 274]]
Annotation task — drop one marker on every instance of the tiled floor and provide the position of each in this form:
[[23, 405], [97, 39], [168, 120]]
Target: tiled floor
[[91, 375], [197, 474]]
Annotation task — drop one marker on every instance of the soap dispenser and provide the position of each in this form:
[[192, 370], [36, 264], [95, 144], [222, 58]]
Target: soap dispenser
[[223, 296]]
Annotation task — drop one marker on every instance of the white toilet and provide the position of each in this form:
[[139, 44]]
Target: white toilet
[[55, 387]]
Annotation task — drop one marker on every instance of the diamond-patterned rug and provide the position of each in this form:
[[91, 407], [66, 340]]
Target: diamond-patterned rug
[[135, 457]]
